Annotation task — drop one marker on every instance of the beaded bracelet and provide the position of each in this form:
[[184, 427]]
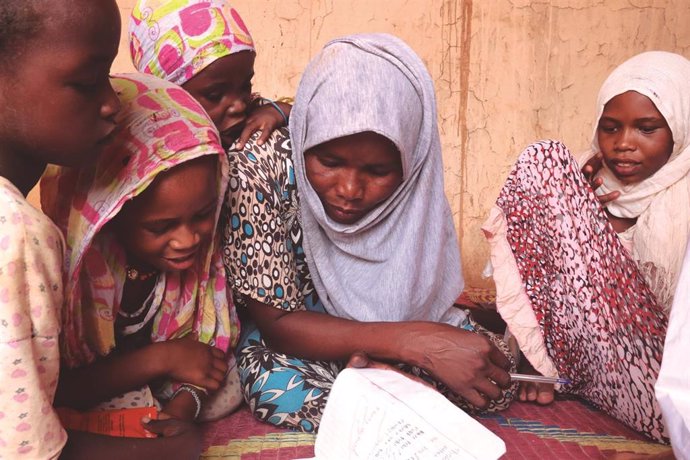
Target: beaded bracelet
[[192, 391], [201, 390], [277, 107]]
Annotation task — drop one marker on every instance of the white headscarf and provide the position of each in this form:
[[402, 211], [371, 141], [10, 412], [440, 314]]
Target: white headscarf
[[661, 202], [401, 261]]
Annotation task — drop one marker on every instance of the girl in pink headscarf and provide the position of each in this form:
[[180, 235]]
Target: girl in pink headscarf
[[204, 46], [147, 315]]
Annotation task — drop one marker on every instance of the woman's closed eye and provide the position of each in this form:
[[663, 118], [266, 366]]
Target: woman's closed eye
[[85, 86], [329, 162], [90, 80], [381, 171], [89, 85], [213, 96], [650, 129]]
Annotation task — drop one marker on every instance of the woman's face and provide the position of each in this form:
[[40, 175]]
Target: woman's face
[[634, 138], [167, 225], [354, 174]]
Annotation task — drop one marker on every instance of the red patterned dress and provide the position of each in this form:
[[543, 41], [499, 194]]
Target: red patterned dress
[[570, 291]]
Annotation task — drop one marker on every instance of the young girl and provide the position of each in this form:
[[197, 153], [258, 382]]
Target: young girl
[[204, 46], [354, 249], [58, 107], [146, 307], [584, 288]]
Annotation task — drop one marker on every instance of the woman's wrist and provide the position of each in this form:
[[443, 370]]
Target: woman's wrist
[[412, 343], [394, 341]]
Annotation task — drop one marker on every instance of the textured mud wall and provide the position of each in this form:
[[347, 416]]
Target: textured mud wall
[[506, 72]]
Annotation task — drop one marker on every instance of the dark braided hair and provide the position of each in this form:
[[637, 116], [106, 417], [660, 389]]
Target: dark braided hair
[[19, 22]]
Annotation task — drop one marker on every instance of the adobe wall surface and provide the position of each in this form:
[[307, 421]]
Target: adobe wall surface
[[507, 72]]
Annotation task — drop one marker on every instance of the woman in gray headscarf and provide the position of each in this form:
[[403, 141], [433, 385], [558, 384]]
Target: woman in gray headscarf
[[353, 250]]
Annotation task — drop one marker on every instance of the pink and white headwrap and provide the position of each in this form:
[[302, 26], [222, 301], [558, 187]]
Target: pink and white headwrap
[[176, 39], [160, 126]]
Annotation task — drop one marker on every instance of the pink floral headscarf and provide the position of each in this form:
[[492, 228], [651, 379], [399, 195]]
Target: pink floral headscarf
[[160, 126], [176, 39]]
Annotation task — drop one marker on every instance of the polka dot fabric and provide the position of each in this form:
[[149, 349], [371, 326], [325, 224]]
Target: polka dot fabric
[[262, 235]]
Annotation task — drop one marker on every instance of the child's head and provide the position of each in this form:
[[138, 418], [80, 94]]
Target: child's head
[[151, 198], [167, 154], [203, 46], [157, 185], [634, 138], [57, 102], [167, 225], [643, 120]]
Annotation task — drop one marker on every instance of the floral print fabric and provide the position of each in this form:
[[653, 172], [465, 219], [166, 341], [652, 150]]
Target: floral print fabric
[[30, 300], [262, 233], [176, 39], [161, 126]]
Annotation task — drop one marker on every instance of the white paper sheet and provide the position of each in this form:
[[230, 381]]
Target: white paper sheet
[[377, 414]]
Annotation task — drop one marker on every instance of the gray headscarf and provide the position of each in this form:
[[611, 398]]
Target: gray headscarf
[[401, 261]]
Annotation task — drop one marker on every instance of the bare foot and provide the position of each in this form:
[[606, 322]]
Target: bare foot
[[540, 393]]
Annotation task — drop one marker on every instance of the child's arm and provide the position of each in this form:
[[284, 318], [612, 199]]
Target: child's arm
[[183, 360], [265, 117], [176, 440]]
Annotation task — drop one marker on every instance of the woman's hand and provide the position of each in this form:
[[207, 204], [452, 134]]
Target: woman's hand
[[467, 362], [190, 361], [590, 170]]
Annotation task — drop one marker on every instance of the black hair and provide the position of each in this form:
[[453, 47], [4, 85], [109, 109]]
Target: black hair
[[20, 21]]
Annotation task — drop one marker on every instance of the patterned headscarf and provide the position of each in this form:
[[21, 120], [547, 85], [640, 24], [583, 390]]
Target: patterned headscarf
[[400, 262], [160, 126], [176, 39], [661, 202]]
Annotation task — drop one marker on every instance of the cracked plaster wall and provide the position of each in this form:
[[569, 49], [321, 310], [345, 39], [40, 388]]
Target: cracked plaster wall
[[506, 72]]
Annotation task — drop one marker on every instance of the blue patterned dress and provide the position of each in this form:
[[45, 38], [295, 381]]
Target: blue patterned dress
[[265, 261]]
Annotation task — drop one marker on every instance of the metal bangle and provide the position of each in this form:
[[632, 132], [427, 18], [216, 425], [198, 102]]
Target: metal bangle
[[277, 107], [195, 394]]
